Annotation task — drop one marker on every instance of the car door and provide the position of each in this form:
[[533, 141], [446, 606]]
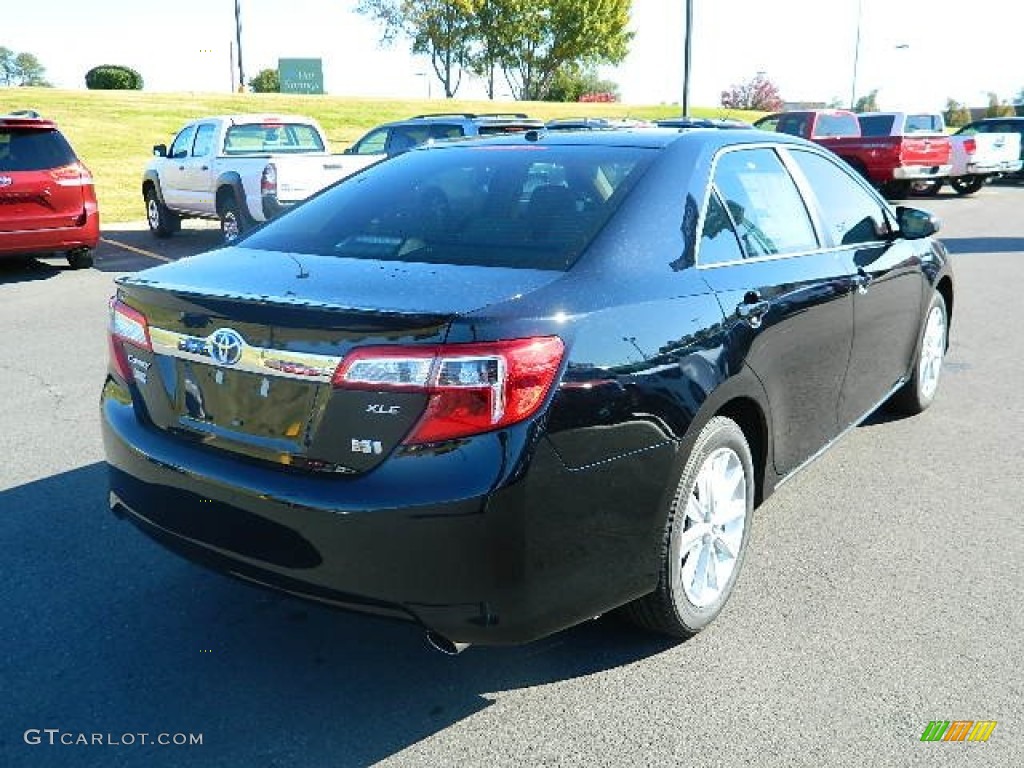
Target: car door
[[887, 304], [198, 173], [172, 169], [787, 300]]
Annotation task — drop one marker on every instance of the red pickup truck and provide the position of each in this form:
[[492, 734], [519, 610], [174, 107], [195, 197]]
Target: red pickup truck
[[890, 162]]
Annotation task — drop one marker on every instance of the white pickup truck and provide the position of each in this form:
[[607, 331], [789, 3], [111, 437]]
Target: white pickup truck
[[979, 155], [240, 170], [975, 157]]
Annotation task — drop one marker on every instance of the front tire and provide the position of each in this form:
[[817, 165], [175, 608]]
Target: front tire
[[919, 392], [705, 536], [162, 221], [967, 185]]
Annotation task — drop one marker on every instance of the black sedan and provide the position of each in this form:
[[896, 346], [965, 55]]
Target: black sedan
[[501, 387]]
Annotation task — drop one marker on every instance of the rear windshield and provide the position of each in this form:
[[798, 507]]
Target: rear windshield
[[32, 150], [923, 124], [272, 137], [876, 125], [530, 206]]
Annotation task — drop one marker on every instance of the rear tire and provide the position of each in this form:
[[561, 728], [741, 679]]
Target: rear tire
[[919, 392], [928, 188], [706, 534], [233, 221], [967, 185], [162, 221], [80, 258], [896, 189]]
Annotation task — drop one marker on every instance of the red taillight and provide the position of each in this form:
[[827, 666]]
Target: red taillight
[[127, 327], [472, 388], [268, 180], [74, 175], [970, 146]]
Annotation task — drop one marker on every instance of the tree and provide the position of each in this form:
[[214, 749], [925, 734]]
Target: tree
[[998, 109], [22, 69], [7, 70], [267, 81], [572, 84], [113, 77], [956, 114], [759, 93], [543, 37], [440, 29], [868, 103]]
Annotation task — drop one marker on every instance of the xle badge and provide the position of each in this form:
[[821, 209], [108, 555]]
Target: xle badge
[[367, 446]]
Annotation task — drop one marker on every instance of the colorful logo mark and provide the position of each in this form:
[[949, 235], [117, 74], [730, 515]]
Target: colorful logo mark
[[958, 730]]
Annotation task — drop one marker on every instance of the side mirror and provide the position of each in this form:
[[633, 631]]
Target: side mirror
[[347, 151], [915, 223], [160, 150]]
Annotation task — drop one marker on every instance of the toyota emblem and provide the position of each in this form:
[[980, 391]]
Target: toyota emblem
[[226, 346]]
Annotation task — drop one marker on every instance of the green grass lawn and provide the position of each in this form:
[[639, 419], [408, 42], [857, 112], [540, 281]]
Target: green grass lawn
[[114, 131]]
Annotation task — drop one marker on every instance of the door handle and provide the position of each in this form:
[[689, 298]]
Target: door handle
[[181, 167], [753, 309], [862, 280], [204, 168]]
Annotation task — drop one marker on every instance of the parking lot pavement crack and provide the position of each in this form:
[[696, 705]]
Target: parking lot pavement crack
[[49, 388]]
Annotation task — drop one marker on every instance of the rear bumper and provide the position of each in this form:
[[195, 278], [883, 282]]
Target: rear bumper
[[1005, 166], [911, 172], [441, 539], [46, 240]]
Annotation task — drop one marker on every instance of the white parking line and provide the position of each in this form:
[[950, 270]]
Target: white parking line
[[133, 249]]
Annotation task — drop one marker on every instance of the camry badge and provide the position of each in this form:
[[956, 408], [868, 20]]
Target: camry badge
[[6, 181], [226, 346]]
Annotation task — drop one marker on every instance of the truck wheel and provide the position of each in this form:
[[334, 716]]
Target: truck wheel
[[162, 222], [233, 222], [928, 188], [896, 189], [967, 185]]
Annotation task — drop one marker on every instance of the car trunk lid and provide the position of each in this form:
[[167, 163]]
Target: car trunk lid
[[242, 359]]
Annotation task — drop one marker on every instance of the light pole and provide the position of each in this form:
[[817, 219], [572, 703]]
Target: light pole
[[687, 44], [856, 61], [426, 78], [238, 37]]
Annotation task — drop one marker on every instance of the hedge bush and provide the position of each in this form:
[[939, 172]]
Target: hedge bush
[[113, 77]]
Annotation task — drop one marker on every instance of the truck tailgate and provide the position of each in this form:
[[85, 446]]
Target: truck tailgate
[[299, 177]]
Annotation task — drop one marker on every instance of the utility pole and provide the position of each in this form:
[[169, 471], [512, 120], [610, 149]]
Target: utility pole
[[687, 41], [238, 37]]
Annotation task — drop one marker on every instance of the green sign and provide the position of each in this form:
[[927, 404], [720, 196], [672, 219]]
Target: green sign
[[301, 75]]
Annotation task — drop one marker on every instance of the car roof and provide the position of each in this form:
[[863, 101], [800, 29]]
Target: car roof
[[250, 119], [487, 118], [654, 138], [27, 119]]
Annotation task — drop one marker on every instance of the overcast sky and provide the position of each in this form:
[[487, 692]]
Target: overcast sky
[[950, 48]]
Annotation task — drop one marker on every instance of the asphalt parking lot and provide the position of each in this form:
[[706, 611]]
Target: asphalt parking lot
[[881, 591]]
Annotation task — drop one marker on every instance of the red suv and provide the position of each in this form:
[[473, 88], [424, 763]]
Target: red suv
[[47, 199]]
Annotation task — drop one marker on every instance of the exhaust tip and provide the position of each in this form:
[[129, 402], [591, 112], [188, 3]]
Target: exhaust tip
[[442, 644]]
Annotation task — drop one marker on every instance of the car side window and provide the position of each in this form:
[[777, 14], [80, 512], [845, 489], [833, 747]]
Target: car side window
[[203, 143], [849, 214], [182, 143], [764, 202], [372, 143], [718, 241]]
